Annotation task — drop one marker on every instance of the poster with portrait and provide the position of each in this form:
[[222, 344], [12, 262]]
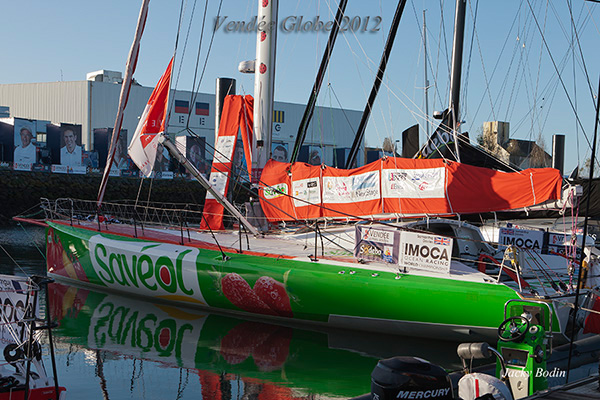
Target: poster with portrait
[[71, 153], [102, 140], [315, 155], [25, 152], [195, 151], [120, 161], [162, 163], [279, 151]]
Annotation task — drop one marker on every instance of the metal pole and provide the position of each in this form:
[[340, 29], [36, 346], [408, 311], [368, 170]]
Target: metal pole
[[310, 106], [425, 71], [455, 75], [585, 231]]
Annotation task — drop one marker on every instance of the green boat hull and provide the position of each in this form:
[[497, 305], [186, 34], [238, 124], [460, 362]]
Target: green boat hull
[[323, 292]]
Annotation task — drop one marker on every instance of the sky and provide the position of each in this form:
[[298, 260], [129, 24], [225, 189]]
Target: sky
[[509, 67]]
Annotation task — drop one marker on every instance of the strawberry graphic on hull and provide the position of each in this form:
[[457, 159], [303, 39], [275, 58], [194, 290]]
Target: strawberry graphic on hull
[[241, 295], [268, 296]]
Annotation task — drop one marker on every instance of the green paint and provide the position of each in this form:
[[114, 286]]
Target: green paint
[[316, 289], [102, 264]]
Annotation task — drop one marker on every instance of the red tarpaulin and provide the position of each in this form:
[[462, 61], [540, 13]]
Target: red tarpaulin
[[400, 186]]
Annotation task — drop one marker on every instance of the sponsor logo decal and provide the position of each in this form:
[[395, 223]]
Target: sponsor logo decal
[[148, 268]]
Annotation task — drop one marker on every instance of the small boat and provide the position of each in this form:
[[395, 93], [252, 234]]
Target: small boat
[[23, 374]]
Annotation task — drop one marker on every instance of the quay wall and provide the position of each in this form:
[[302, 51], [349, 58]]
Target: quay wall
[[20, 191]]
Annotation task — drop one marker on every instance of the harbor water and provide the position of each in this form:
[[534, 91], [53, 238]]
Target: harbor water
[[113, 347]]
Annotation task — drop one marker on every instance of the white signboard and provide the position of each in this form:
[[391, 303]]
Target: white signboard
[[306, 191], [428, 183], [19, 166], [60, 169], [224, 149], [350, 189], [218, 180], [523, 238], [426, 252]]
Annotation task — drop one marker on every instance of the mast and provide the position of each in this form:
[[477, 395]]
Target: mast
[[264, 78], [125, 87], [360, 133], [455, 75], [425, 75], [310, 106]]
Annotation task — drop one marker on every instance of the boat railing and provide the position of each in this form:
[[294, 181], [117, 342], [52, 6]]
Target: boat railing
[[77, 211]]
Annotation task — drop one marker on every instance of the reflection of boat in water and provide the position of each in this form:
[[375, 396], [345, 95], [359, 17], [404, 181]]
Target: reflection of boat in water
[[220, 348]]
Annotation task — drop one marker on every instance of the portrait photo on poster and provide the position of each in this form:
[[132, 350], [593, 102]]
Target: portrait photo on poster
[[195, 148], [315, 155], [120, 159], [70, 145], [25, 144], [279, 151]]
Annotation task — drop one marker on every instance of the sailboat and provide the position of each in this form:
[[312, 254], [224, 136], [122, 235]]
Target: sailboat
[[322, 245]]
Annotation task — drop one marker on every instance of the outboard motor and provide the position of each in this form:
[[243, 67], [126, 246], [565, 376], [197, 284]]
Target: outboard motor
[[409, 378]]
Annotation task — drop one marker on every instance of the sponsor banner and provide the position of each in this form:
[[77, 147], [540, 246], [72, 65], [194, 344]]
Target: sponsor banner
[[167, 175], [376, 244], [218, 180], [60, 169], [146, 268], [273, 192], [224, 149], [306, 191], [428, 183], [78, 169], [5, 164], [558, 239], [425, 252], [351, 189], [18, 166], [522, 238]]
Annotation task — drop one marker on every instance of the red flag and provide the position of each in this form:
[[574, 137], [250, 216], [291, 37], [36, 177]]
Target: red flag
[[142, 149]]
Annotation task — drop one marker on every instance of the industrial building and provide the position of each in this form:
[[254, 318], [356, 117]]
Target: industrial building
[[91, 105]]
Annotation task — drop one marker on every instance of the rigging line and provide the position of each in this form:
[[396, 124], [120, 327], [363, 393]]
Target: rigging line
[[14, 261], [445, 48], [138, 193], [584, 64], [179, 25], [192, 94], [212, 37], [343, 110], [32, 241], [485, 77], [497, 63], [560, 78], [573, 33], [537, 81]]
